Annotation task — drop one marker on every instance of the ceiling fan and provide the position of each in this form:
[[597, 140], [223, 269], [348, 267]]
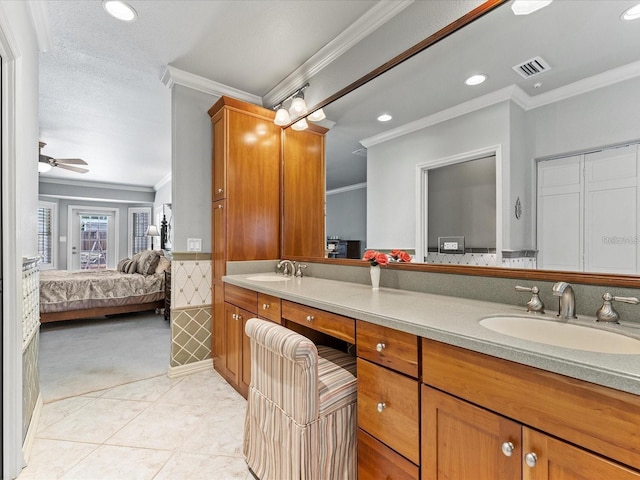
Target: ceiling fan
[[45, 162]]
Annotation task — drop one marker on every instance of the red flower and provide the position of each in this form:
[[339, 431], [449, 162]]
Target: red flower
[[375, 258], [400, 256]]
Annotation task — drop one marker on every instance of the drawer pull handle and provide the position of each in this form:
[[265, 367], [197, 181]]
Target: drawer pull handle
[[381, 407], [234, 316], [219, 206], [265, 306], [507, 449], [220, 190], [380, 347], [531, 459], [309, 318]]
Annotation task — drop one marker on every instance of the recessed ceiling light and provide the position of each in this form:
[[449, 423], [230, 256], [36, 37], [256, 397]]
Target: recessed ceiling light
[[385, 117], [120, 10], [631, 13], [476, 79], [525, 7]]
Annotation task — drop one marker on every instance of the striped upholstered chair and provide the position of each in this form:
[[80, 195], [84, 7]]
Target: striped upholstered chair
[[301, 411]]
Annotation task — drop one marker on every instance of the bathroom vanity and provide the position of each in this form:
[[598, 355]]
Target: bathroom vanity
[[440, 396]]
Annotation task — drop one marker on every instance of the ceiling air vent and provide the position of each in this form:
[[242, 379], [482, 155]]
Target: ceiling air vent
[[532, 67]]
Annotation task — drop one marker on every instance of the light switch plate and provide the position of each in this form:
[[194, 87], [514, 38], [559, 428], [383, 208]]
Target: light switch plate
[[194, 244]]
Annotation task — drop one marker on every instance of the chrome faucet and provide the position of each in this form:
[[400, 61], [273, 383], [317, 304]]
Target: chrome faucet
[[567, 300], [286, 264]]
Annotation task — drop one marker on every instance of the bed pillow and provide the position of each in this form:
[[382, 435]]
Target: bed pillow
[[121, 264], [148, 262], [129, 266], [163, 265]]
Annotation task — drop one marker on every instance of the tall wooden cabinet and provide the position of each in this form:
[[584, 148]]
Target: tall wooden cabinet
[[245, 211], [303, 192]]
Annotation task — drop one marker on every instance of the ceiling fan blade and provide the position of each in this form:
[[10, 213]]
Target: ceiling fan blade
[[73, 169], [72, 161]]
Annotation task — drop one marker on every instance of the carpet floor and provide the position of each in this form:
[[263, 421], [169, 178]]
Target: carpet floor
[[83, 356]]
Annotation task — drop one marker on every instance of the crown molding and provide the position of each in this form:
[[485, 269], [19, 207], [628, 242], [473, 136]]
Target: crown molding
[[381, 13], [508, 93], [41, 25], [162, 182], [84, 183], [601, 80], [515, 94], [348, 188], [174, 76]]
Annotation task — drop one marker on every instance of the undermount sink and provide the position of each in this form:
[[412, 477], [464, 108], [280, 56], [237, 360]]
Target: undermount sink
[[562, 334], [269, 278]]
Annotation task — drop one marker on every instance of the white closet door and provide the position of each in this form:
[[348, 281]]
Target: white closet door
[[611, 211], [560, 207]]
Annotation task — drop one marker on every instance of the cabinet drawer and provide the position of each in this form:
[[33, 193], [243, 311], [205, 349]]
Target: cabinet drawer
[[389, 408], [388, 347], [241, 297], [269, 307], [335, 325], [376, 460]]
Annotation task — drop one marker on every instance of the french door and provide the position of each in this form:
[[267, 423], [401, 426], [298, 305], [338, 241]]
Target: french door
[[92, 233]]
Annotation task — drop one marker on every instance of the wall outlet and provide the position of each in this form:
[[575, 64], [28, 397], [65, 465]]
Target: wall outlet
[[194, 244]]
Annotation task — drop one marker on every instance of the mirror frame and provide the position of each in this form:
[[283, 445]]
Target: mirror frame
[[614, 280]]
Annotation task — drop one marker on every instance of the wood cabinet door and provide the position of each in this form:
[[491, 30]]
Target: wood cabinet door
[[303, 194], [219, 170], [558, 460], [218, 342], [233, 343], [245, 376], [461, 441], [253, 187], [219, 236]]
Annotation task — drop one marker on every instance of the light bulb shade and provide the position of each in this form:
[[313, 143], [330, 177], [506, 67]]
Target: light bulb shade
[[298, 106], [317, 116], [525, 7], [152, 231], [43, 167], [300, 125], [282, 117], [120, 10]]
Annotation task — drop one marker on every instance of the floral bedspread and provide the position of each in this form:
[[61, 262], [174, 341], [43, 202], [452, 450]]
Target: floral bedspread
[[63, 290]]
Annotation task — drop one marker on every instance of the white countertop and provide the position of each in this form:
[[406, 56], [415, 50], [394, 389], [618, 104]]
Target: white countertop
[[455, 321]]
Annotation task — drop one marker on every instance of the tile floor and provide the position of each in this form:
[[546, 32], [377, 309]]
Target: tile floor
[[159, 428]]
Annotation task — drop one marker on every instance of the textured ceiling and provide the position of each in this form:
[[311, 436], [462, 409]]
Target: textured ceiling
[[101, 98]]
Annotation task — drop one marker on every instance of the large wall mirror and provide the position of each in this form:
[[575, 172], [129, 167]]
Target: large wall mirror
[[562, 83]]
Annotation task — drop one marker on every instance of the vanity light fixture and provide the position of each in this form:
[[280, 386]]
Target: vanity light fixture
[[476, 79], [298, 108], [317, 115], [120, 10], [631, 13], [385, 117], [525, 7], [300, 125]]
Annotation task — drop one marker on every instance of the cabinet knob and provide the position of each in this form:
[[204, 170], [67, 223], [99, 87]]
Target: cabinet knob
[[381, 406], [233, 315], [219, 206], [531, 459], [265, 306], [309, 318], [380, 347], [507, 449], [220, 190]]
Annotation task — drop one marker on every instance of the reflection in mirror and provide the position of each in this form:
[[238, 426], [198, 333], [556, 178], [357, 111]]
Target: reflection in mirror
[[563, 81]]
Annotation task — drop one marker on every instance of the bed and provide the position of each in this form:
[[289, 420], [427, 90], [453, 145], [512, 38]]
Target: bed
[[137, 285]]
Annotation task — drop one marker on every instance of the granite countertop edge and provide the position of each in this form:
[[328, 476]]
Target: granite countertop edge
[[454, 321]]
